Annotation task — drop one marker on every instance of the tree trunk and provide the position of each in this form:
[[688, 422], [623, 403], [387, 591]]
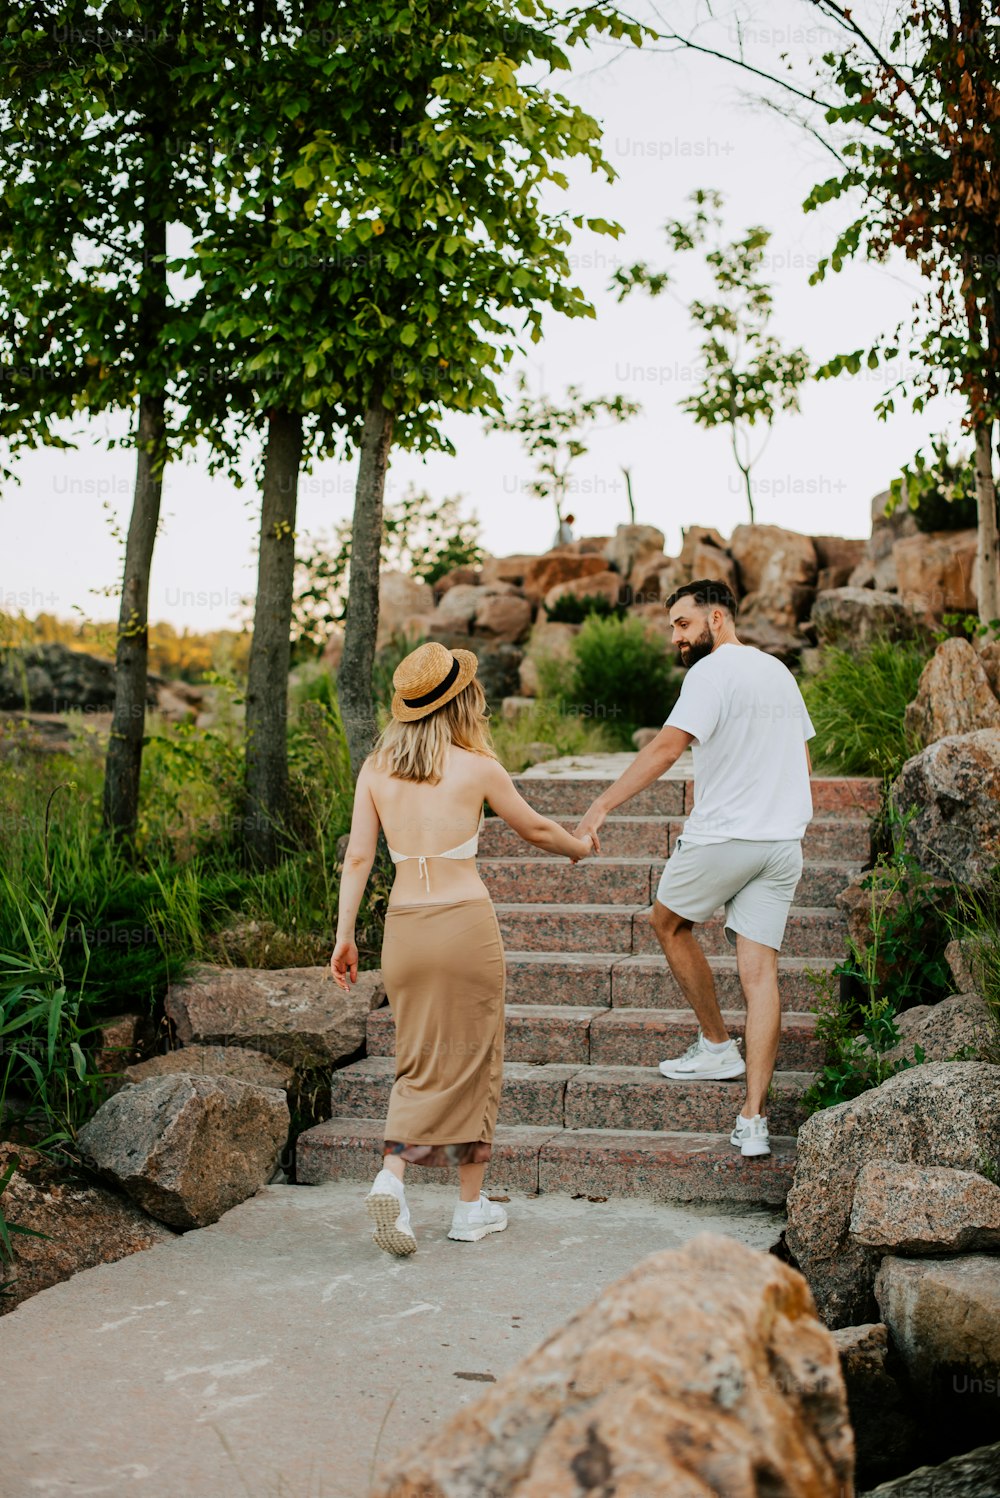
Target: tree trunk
[[124, 760], [354, 679], [267, 678], [987, 553]]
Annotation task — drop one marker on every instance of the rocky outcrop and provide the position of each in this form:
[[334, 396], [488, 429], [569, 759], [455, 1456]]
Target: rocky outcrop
[[777, 572], [924, 1209], [548, 641], [400, 599], [298, 1015], [938, 1114], [86, 1224], [935, 571], [953, 1028], [555, 567], [884, 1430], [704, 1369], [632, 548], [954, 695], [954, 785], [877, 569], [241, 1062], [973, 1474], [852, 617], [943, 1315], [187, 1148], [596, 584]]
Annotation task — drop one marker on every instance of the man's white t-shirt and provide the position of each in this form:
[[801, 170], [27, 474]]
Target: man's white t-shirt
[[750, 724]]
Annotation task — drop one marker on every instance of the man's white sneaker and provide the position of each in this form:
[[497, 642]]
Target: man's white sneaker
[[473, 1220], [751, 1135], [700, 1064], [386, 1206]]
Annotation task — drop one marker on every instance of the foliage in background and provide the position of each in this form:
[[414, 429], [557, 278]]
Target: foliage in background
[[940, 491], [546, 722], [619, 675], [898, 964], [552, 435], [186, 654], [857, 700], [746, 376], [573, 608], [421, 536]]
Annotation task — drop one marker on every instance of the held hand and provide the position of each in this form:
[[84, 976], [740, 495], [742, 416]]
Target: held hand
[[586, 848], [344, 961], [590, 825]]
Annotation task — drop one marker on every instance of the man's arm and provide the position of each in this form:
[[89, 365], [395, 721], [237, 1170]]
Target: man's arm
[[648, 765]]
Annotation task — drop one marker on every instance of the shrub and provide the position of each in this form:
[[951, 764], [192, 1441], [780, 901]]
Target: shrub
[[941, 492], [857, 701], [975, 925], [546, 722], [619, 675], [569, 608]]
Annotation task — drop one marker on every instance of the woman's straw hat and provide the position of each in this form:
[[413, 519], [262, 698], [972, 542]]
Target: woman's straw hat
[[429, 677]]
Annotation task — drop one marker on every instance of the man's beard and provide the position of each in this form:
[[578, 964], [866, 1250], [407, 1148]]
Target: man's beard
[[695, 650]]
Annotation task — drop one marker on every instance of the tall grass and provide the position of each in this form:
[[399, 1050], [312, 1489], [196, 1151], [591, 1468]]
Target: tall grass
[[857, 702]]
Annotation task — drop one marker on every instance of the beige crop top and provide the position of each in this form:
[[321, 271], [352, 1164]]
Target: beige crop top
[[468, 849]]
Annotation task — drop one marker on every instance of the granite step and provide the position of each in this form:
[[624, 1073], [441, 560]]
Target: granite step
[[618, 881], [646, 982], [571, 794], [827, 837], [653, 1165], [564, 1034], [811, 931], [586, 1097]]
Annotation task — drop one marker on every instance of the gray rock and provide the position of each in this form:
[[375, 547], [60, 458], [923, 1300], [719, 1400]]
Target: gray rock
[[297, 1015], [974, 1474], [187, 1148], [943, 1113], [946, 1031], [943, 1315], [241, 1062], [884, 1430], [852, 617], [924, 1209], [954, 786]]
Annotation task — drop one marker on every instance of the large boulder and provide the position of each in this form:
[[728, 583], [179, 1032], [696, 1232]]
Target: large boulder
[[877, 569], [709, 561], [86, 1224], [632, 547], [237, 1061], [503, 617], [971, 1474], [512, 569], [597, 584], [555, 567], [49, 677], [836, 558], [954, 787], [884, 1430], [702, 1370], [852, 617], [400, 597], [499, 669], [956, 1026], [935, 571], [694, 538], [298, 1015], [777, 572], [943, 1113], [547, 641], [186, 1148], [954, 695], [943, 1315], [924, 1209]]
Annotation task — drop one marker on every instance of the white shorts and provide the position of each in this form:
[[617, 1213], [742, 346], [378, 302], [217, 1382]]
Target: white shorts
[[755, 881]]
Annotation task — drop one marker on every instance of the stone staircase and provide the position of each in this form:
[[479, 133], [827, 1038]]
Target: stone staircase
[[592, 1008]]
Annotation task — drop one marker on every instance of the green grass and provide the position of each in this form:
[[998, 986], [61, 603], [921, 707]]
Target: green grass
[[856, 702]]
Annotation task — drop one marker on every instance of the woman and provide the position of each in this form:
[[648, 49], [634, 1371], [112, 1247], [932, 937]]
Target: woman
[[442, 955]]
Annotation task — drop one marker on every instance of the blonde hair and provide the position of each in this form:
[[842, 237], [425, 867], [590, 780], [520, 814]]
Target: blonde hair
[[416, 751]]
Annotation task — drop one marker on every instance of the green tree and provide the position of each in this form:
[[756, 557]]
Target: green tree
[[98, 158], [746, 376], [553, 436]]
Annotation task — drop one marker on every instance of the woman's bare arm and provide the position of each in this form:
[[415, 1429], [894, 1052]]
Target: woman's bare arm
[[541, 832]]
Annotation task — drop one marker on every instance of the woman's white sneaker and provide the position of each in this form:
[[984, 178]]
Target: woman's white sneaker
[[473, 1220], [751, 1135], [699, 1063], [386, 1206]]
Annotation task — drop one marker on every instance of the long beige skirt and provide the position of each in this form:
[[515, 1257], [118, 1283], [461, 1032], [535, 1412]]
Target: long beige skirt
[[443, 968]]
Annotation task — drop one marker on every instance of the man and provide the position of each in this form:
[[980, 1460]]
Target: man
[[741, 846]]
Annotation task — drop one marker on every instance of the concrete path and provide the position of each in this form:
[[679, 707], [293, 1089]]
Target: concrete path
[[279, 1354]]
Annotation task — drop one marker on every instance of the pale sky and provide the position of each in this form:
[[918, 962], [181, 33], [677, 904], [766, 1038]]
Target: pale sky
[[673, 122]]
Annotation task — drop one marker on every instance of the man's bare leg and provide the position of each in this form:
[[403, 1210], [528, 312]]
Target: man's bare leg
[[757, 966], [689, 966]]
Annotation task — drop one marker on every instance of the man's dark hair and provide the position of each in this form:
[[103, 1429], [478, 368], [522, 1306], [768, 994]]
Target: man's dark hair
[[708, 592]]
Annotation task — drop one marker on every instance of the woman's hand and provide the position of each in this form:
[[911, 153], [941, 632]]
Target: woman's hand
[[586, 845], [344, 961], [590, 825]]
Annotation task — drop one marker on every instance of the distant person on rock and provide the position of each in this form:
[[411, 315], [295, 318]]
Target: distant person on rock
[[442, 955], [740, 847], [564, 534]]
